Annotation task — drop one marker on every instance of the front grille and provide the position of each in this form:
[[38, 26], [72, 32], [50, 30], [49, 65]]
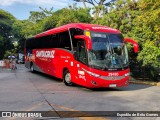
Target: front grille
[[112, 77]]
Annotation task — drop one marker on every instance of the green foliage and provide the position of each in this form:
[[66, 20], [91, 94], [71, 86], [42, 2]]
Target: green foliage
[[36, 16], [6, 15], [67, 15], [39, 16], [99, 7], [138, 20], [7, 53], [150, 54], [6, 35], [148, 26]]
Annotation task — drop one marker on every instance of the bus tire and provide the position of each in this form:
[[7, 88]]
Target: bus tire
[[67, 78], [32, 68]]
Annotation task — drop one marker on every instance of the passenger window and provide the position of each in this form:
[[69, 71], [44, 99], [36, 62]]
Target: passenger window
[[64, 40], [75, 31]]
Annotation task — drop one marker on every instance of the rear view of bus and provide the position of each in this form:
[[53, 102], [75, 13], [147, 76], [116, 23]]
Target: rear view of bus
[[97, 58]]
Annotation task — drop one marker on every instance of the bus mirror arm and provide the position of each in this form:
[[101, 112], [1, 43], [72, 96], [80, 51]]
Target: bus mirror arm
[[75, 55], [86, 39], [135, 44]]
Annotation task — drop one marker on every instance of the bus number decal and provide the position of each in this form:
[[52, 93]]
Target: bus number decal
[[52, 53], [113, 74], [45, 54]]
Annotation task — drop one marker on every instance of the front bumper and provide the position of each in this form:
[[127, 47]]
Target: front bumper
[[104, 83]]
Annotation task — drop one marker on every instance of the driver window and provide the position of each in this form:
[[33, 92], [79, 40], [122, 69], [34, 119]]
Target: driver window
[[81, 52]]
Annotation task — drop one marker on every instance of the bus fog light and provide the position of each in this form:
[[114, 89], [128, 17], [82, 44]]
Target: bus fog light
[[93, 82], [127, 83]]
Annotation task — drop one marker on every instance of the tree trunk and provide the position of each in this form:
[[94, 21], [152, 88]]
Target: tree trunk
[[84, 4]]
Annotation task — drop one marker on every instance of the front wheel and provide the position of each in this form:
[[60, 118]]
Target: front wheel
[[67, 78]]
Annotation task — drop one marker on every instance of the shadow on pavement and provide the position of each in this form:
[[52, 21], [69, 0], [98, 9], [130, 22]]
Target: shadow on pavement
[[130, 87], [47, 76]]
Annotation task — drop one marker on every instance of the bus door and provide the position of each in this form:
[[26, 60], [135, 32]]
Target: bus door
[[81, 62]]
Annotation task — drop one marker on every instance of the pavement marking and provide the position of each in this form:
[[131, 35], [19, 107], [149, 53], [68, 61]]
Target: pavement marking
[[94, 118], [30, 109], [158, 84], [63, 107], [81, 118], [67, 109], [35, 106]]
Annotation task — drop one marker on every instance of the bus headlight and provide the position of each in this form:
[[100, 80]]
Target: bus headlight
[[91, 73], [127, 74]]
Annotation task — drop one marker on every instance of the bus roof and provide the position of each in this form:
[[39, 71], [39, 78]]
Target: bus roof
[[83, 26]]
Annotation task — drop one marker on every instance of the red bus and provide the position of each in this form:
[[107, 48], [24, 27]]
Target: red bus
[[89, 55]]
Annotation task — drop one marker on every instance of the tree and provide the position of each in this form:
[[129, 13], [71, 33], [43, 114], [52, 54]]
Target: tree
[[6, 21], [99, 6], [24, 29], [72, 14], [38, 16], [148, 27], [140, 21]]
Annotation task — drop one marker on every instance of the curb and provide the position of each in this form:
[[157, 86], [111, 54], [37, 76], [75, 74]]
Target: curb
[[145, 82]]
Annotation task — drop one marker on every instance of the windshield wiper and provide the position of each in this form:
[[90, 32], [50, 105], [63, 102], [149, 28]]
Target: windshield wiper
[[98, 67]]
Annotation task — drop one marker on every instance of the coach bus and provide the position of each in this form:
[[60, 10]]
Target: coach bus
[[89, 55]]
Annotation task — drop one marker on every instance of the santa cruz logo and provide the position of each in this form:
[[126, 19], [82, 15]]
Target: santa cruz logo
[[45, 54]]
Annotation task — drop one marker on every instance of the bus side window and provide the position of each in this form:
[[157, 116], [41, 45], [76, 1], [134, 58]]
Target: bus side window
[[54, 41], [64, 42], [73, 32], [81, 52]]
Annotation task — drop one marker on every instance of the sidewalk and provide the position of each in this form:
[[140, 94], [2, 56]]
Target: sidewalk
[[134, 81], [145, 82], [20, 67], [5, 70]]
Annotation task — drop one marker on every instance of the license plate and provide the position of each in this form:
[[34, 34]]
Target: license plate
[[112, 85]]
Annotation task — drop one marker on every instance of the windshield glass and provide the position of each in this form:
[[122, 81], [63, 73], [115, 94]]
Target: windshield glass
[[108, 51]]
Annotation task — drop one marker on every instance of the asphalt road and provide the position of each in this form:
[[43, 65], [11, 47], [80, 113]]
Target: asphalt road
[[21, 90]]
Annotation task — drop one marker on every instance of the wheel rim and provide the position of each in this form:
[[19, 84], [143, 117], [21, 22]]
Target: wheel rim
[[68, 78]]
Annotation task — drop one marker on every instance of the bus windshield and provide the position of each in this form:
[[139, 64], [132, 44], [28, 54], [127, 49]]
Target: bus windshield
[[108, 51]]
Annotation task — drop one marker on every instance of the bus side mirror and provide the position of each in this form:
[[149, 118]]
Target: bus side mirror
[[86, 39], [135, 44]]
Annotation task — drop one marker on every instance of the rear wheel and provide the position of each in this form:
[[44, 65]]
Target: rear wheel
[[67, 78]]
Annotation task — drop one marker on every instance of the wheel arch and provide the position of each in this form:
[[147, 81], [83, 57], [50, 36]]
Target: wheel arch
[[64, 69], [69, 83]]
